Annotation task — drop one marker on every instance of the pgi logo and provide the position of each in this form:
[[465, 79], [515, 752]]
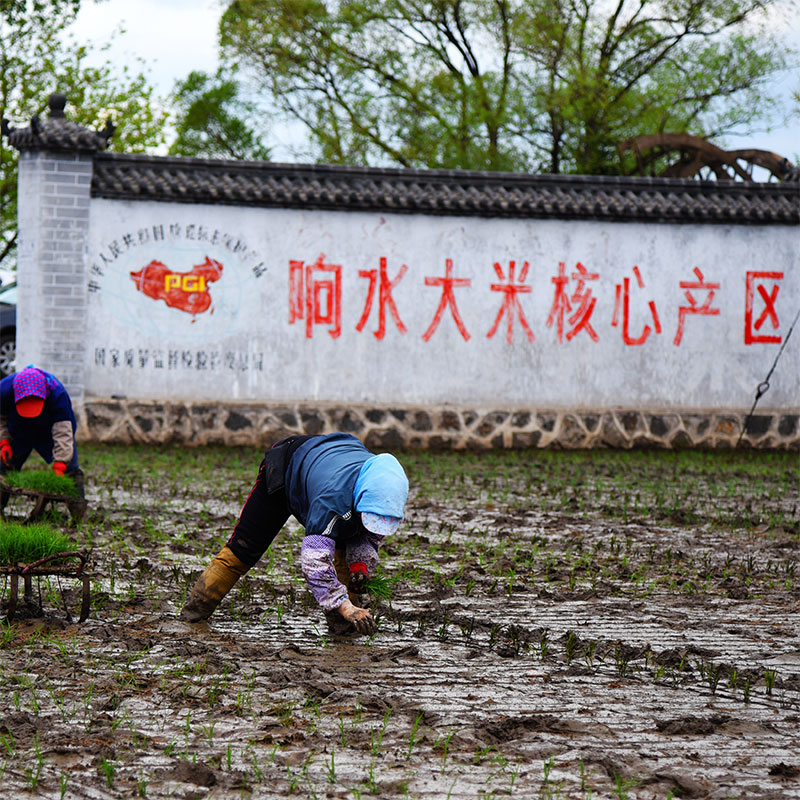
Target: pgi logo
[[186, 291]]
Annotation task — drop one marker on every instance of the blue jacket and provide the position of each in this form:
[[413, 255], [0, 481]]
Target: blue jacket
[[320, 486], [57, 408]]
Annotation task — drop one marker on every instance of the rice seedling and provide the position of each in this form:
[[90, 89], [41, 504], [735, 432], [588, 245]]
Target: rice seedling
[[208, 730], [412, 741], [444, 743], [331, 766], [8, 742], [589, 650], [257, 773], [63, 785], [622, 659], [377, 738], [570, 646], [41, 481], [370, 784], [443, 634], [217, 687], [544, 646], [713, 674], [34, 773], [547, 766], [28, 543]]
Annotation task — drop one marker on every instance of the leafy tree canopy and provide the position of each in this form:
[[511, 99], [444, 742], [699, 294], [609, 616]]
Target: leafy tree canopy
[[39, 57], [532, 85], [212, 119]]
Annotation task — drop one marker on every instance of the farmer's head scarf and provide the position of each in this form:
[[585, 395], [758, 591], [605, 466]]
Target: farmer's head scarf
[[380, 494], [30, 391]]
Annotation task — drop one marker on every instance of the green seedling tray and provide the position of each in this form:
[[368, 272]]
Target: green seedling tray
[[41, 481], [27, 543], [38, 550], [40, 485]]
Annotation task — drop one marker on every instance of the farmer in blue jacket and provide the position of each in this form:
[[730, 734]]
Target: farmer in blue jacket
[[36, 414], [348, 500]]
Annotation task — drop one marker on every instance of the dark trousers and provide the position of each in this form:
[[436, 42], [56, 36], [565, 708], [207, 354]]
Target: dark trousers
[[22, 448], [266, 509]]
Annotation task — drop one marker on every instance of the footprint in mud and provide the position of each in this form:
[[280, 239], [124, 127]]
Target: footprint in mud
[[692, 726], [189, 772]]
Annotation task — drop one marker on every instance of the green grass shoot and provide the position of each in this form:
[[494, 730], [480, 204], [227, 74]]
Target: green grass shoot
[[27, 543], [41, 481], [380, 586]]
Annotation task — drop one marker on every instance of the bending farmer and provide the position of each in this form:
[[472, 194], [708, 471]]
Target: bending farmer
[[348, 500], [36, 414]]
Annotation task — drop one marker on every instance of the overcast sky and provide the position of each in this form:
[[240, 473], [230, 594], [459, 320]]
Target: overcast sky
[[178, 36]]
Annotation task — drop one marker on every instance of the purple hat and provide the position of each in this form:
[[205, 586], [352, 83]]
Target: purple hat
[[30, 391], [380, 523]]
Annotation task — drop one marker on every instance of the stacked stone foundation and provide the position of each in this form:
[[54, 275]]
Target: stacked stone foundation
[[435, 428]]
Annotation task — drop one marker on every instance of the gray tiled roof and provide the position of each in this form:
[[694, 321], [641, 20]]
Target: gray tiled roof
[[58, 135], [485, 194]]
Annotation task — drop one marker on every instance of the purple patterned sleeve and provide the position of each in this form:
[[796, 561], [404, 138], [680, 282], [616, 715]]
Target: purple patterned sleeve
[[316, 559], [365, 550]]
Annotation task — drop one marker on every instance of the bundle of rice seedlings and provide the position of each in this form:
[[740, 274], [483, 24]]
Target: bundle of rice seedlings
[[27, 543], [380, 586], [41, 481]]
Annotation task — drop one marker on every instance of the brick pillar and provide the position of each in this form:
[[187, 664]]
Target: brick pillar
[[55, 176]]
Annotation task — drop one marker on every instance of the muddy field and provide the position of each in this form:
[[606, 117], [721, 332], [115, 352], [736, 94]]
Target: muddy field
[[572, 625]]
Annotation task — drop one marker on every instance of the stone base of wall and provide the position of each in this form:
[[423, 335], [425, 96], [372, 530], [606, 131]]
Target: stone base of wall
[[443, 428]]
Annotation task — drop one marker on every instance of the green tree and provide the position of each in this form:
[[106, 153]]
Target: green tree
[[539, 85], [38, 57], [212, 119]]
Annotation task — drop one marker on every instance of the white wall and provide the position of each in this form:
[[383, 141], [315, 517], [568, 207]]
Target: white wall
[[244, 346]]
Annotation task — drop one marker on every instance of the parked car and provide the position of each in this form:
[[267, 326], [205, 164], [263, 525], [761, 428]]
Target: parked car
[[8, 329]]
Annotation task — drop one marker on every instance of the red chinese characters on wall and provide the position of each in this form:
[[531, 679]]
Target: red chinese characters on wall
[[761, 292], [693, 308], [581, 300], [378, 278], [447, 300], [511, 307], [622, 299], [315, 297]]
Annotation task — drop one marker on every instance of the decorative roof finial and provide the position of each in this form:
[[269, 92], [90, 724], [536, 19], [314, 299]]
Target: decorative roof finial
[[57, 103], [56, 133]]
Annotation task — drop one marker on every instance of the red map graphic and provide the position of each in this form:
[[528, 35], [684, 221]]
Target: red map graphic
[[186, 291]]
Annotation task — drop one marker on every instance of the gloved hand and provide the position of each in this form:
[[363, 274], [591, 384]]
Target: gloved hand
[[213, 585], [360, 618], [358, 577], [59, 467], [6, 454]]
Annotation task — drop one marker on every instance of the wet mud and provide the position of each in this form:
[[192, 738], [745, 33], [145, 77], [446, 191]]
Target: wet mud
[[559, 626]]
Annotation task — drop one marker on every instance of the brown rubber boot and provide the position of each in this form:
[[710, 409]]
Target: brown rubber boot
[[213, 585], [77, 508]]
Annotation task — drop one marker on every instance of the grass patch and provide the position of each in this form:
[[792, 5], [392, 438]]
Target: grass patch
[[42, 481], [27, 543]]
